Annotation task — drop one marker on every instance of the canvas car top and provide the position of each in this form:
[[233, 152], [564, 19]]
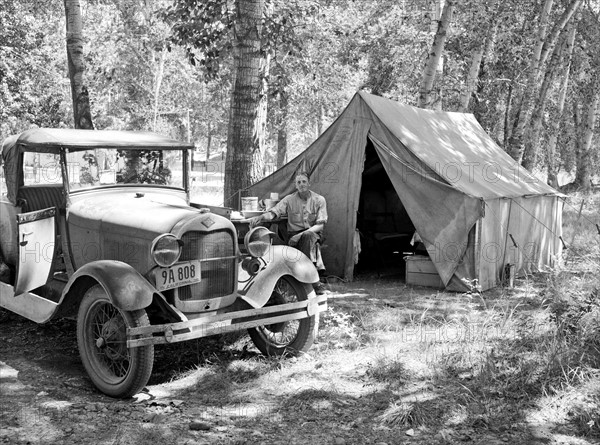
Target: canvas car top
[[52, 140]]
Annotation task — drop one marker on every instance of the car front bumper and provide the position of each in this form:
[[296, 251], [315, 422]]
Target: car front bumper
[[211, 324]]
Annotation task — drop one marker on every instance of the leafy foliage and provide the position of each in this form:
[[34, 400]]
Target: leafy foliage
[[143, 167], [321, 53], [31, 66], [203, 29]]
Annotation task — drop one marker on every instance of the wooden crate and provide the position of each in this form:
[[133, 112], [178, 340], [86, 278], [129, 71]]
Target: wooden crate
[[421, 272]]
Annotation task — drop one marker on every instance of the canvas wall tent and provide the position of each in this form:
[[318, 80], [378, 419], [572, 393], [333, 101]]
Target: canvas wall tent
[[474, 207]]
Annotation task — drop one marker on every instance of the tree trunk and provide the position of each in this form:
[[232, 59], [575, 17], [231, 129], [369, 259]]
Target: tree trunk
[[246, 117], [479, 107], [208, 141], [584, 174], [426, 96], [558, 116], [157, 84], [516, 145], [557, 29], [530, 155], [260, 165], [507, 129], [320, 119], [472, 78], [79, 93], [282, 130], [545, 44]]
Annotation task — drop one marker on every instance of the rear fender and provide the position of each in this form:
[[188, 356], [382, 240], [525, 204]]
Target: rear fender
[[126, 288], [282, 260]]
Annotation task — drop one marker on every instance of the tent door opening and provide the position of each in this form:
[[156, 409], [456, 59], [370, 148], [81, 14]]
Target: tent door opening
[[386, 230]]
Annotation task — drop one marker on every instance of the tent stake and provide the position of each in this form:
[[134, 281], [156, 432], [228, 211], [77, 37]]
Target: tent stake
[[563, 242]]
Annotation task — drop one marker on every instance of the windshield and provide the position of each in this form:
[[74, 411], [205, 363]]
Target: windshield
[[102, 166]]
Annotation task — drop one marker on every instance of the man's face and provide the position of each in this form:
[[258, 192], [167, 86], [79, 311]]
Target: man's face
[[302, 183]]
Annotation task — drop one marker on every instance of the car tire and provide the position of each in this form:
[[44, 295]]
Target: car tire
[[114, 369], [290, 337]]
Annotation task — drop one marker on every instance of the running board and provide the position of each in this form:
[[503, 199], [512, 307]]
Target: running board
[[28, 305]]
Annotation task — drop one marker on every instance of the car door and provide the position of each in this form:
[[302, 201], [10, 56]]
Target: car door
[[37, 248]]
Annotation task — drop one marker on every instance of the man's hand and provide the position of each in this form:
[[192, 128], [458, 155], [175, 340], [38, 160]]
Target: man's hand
[[255, 221], [295, 239]]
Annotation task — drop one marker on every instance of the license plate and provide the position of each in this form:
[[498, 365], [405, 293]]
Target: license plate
[[180, 274]]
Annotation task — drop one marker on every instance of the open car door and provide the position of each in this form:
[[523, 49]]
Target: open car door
[[37, 249]]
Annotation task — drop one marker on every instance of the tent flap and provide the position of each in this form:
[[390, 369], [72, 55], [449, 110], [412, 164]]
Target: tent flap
[[442, 215]]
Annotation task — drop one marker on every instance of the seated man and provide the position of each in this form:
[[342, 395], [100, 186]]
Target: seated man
[[307, 215]]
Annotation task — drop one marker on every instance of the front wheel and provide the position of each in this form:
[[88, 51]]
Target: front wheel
[[289, 337], [115, 369]]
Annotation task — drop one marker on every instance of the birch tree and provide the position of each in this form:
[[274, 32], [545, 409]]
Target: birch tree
[[587, 100], [472, 76], [561, 55], [427, 97], [545, 43], [584, 116], [557, 116], [487, 14], [79, 92]]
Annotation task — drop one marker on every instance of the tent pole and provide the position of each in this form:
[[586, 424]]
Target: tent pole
[[506, 236]]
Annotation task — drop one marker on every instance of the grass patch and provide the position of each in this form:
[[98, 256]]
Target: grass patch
[[404, 414], [413, 357], [341, 330], [585, 415], [224, 382], [389, 370], [312, 400], [149, 433]]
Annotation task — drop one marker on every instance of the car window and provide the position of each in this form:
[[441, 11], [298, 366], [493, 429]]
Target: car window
[[108, 166], [41, 168]]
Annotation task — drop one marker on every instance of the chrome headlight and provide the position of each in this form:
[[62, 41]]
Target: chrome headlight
[[257, 241], [166, 249]]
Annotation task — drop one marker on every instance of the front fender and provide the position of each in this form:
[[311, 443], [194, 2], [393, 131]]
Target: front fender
[[126, 288], [282, 260]]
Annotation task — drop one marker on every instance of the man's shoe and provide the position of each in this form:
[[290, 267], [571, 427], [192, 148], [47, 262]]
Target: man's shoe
[[319, 288]]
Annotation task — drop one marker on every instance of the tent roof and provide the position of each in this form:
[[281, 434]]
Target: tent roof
[[456, 147]]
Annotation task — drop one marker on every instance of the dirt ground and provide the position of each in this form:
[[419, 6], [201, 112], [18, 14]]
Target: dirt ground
[[381, 386]]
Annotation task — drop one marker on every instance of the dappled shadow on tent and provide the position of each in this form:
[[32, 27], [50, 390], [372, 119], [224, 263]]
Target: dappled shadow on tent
[[381, 161]]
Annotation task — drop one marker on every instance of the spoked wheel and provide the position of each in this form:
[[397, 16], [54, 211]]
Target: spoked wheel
[[116, 370], [291, 337]]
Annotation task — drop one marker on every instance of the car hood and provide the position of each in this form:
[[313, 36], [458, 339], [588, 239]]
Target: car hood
[[121, 224], [130, 214]]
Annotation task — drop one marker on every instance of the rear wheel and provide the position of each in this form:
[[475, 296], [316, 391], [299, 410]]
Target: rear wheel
[[115, 369], [289, 337]]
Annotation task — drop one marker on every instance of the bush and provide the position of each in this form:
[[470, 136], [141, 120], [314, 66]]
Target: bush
[[577, 318]]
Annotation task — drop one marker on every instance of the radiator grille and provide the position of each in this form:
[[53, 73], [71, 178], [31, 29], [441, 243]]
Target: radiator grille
[[216, 250]]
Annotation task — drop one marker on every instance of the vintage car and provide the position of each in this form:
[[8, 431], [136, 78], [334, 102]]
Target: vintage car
[[98, 225]]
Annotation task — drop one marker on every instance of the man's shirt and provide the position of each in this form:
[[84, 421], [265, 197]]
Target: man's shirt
[[302, 214]]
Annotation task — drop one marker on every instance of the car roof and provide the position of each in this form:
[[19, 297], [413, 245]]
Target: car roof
[[51, 140]]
